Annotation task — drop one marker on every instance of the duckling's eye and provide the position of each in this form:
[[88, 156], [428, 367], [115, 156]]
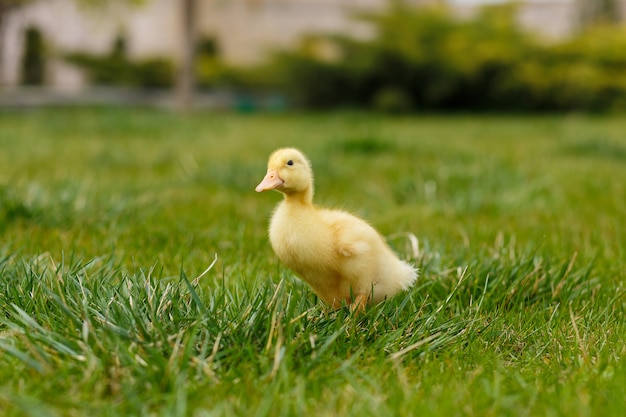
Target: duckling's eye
[[290, 162]]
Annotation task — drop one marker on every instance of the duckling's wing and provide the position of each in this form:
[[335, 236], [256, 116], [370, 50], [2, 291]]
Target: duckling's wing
[[352, 237]]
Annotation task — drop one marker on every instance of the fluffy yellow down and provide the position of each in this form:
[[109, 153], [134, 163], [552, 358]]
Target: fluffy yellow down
[[340, 256]]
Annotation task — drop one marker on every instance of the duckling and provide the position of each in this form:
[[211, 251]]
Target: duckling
[[340, 256]]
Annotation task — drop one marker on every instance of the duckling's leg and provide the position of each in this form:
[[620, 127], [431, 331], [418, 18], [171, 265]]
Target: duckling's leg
[[340, 303], [359, 303]]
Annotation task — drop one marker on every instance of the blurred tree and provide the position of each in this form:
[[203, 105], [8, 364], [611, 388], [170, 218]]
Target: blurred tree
[[186, 75], [119, 48], [592, 12], [33, 63]]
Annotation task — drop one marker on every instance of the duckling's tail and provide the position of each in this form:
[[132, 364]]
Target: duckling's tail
[[408, 274]]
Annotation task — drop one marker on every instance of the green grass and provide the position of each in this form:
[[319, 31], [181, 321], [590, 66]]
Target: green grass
[[109, 218]]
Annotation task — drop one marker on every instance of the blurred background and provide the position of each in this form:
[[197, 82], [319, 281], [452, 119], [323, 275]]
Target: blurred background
[[390, 56]]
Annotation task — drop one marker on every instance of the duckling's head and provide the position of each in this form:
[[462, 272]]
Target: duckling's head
[[289, 172]]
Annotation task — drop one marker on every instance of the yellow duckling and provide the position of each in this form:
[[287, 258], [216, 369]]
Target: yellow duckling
[[340, 256]]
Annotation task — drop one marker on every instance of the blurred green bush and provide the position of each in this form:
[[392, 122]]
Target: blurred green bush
[[427, 59], [415, 59], [213, 72], [115, 68]]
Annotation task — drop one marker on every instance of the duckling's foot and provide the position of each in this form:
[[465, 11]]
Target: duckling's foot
[[359, 303]]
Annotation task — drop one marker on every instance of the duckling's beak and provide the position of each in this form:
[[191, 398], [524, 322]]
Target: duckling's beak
[[270, 182]]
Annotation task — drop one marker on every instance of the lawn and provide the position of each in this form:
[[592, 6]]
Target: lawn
[[136, 277]]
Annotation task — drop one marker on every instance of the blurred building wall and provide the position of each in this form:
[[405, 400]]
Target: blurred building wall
[[247, 29], [540, 15], [244, 29]]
